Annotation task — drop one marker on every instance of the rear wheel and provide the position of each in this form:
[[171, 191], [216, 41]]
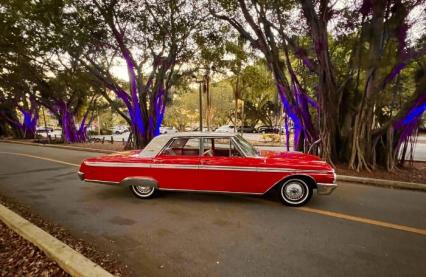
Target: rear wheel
[[295, 192], [142, 191]]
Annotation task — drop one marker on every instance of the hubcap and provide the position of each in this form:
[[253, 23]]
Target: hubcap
[[143, 189], [294, 191]]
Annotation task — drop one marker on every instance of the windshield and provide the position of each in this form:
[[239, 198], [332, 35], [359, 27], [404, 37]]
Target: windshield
[[246, 147]]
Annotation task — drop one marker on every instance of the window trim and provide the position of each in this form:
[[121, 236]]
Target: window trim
[[176, 138], [201, 144]]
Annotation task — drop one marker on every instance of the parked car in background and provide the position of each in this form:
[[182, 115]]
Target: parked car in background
[[225, 129], [246, 129], [119, 129], [268, 130], [212, 162], [205, 129], [52, 132], [44, 130], [167, 130]]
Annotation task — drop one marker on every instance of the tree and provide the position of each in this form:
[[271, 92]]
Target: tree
[[251, 21], [152, 38], [354, 65]]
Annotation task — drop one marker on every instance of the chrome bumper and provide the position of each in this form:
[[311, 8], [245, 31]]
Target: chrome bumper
[[325, 189], [81, 175]]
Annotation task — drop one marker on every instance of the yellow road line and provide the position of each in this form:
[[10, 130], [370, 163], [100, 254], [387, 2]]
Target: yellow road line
[[365, 220], [305, 209], [40, 158]]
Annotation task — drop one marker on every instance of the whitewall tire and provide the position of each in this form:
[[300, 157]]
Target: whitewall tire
[[142, 191], [295, 192]]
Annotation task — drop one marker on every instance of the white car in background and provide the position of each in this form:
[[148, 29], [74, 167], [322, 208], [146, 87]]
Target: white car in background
[[52, 132], [167, 130], [119, 129], [225, 129]]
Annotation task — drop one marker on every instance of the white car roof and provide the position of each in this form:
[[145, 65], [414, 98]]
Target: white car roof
[[157, 143]]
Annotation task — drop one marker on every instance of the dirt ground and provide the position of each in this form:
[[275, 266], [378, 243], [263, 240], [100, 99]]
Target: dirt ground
[[20, 258]]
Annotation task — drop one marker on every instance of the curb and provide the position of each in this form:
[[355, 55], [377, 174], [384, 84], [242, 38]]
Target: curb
[[67, 258], [344, 178], [383, 183], [77, 148]]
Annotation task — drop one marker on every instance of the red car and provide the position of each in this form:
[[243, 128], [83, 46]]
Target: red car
[[212, 162]]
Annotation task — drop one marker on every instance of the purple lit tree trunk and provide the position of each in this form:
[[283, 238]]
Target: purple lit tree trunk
[[29, 123], [70, 132], [293, 97], [145, 99], [27, 127]]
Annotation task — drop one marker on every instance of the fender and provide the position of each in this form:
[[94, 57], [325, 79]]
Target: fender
[[308, 177], [143, 181]]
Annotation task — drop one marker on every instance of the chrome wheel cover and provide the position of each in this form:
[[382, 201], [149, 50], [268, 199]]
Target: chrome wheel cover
[[143, 190], [294, 191]]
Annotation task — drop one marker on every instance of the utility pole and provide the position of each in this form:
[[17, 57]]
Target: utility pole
[[45, 124], [208, 99], [99, 122], [201, 104]]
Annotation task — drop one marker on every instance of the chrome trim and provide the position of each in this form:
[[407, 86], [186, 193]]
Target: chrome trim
[[80, 175], [239, 147], [101, 182], [175, 166], [115, 164], [201, 144], [137, 180], [213, 191], [325, 189]]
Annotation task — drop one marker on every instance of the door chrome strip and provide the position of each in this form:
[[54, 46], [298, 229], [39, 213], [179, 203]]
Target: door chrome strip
[[213, 191], [101, 182]]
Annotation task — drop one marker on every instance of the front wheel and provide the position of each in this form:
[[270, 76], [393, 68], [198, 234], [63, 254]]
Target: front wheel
[[295, 192], [142, 191]]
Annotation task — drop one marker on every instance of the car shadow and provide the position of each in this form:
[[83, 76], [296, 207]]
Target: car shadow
[[123, 193]]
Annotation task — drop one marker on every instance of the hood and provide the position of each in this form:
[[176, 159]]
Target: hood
[[289, 155], [296, 160]]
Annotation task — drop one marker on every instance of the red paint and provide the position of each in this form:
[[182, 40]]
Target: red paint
[[207, 179]]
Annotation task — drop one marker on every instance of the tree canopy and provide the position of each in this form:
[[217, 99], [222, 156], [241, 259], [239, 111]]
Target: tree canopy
[[350, 76]]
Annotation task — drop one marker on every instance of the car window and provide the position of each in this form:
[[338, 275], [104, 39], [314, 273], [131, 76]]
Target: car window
[[246, 147], [152, 149], [220, 147], [183, 147]]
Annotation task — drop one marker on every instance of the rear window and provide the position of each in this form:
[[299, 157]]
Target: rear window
[[156, 144]]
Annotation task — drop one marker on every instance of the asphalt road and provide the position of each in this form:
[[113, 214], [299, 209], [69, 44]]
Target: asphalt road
[[189, 234]]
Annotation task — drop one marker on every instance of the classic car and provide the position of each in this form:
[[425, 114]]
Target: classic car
[[212, 162]]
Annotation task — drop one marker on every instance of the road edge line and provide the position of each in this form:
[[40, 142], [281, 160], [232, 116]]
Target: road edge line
[[77, 148], [67, 258]]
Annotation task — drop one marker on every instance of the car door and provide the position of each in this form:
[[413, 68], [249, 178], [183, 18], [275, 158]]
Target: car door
[[232, 172], [176, 167]]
